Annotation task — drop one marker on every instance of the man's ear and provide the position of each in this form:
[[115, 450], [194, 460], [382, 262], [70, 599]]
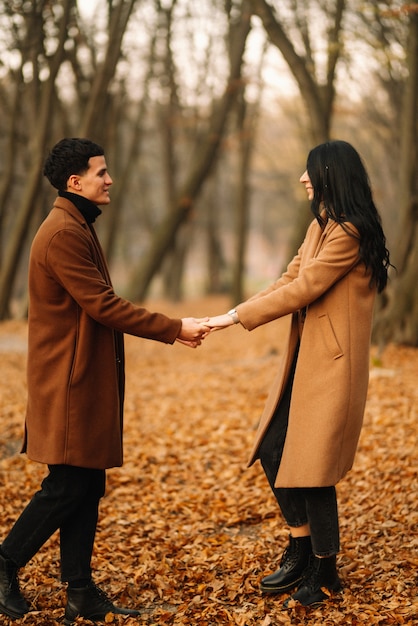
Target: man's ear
[[74, 183]]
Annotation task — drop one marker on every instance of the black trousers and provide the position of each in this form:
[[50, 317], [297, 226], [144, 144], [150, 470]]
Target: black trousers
[[68, 501], [316, 506]]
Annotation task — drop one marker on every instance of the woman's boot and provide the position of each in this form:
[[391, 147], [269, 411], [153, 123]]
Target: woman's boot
[[321, 574], [294, 561]]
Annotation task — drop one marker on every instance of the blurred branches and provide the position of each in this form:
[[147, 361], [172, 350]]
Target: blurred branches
[[206, 115]]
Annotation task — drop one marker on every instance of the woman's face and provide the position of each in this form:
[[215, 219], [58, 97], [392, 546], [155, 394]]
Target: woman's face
[[305, 180]]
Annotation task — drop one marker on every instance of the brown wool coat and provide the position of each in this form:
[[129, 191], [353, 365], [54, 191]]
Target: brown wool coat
[[75, 351], [332, 371]]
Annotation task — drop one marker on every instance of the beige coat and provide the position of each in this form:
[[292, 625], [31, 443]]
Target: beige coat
[[75, 351], [332, 371]]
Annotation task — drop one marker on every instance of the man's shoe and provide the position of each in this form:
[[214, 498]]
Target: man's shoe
[[294, 561], [91, 603], [319, 580], [12, 603]]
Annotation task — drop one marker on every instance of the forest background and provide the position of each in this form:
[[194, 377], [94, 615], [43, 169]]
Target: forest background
[[207, 111]]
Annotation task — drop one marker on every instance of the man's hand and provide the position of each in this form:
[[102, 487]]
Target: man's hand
[[193, 331]]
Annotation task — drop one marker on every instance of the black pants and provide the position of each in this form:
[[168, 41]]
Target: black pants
[[316, 506], [68, 501]]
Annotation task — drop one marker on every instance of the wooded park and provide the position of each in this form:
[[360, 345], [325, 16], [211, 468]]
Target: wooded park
[[207, 110]]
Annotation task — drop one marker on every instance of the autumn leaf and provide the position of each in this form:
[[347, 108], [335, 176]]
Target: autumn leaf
[[186, 531]]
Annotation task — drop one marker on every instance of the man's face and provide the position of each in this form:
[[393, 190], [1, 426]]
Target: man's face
[[93, 184]]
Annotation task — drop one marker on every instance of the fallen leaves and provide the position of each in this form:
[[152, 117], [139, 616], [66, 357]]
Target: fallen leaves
[[186, 531]]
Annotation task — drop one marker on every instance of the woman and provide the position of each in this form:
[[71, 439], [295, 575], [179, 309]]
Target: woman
[[309, 430]]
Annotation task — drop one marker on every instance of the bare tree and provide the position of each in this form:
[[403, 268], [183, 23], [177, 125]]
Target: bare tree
[[92, 110], [397, 319], [317, 88], [95, 113], [128, 160], [205, 156], [318, 94], [121, 78], [36, 149], [247, 118], [12, 106], [168, 114]]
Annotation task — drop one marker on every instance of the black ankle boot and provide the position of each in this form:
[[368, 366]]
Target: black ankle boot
[[91, 603], [12, 603], [321, 574], [294, 561]]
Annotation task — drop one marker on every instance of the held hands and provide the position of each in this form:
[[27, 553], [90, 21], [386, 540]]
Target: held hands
[[193, 331]]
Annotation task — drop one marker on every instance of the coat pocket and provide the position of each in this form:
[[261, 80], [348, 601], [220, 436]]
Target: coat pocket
[[329, 337]]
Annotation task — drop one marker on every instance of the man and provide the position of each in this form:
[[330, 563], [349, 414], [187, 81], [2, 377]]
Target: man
[[75, 373]]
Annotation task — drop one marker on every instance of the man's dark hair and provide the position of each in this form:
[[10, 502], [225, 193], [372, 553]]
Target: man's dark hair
[[68, 157]]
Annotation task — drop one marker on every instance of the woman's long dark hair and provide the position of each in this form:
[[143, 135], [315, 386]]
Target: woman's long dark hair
[[342, 187]]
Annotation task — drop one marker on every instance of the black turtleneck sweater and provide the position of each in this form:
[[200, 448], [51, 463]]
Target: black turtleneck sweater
[[86, 207]]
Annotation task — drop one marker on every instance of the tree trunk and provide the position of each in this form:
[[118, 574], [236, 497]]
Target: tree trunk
[[95, 113], [318, 98], [215, 257], [9, 153], [129, 163], [247, 122], [37, 150], [397, 319], [206, 153]]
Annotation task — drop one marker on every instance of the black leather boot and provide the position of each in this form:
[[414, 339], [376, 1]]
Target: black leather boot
[[294, 561], [91, 603], [321, 574], [12, 603]]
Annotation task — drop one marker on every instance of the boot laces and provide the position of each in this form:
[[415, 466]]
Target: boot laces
[[310, 575], [107, 602], [290, 556]]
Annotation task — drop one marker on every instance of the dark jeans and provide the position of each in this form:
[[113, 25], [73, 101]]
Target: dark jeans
[[316, 506], [69, 501]]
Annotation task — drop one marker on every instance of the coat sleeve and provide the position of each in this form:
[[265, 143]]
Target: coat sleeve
[[70, 262], [299, 287]]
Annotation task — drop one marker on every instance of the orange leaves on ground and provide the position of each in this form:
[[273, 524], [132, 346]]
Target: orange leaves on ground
[[186, 531]]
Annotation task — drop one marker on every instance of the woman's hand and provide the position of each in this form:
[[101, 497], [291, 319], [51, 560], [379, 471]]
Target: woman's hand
[[219, 321]]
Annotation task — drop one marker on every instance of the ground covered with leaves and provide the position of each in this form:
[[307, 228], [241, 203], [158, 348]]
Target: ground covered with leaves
[[186, 531]]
